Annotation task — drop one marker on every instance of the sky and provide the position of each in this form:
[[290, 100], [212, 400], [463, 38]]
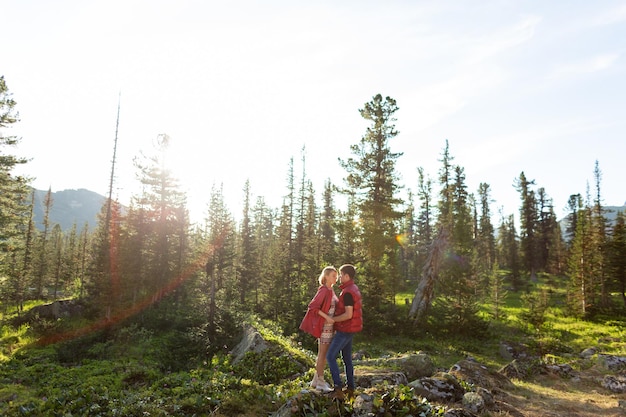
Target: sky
[[243, 87]]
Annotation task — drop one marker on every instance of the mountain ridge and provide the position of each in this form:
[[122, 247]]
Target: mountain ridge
[[69, 207]]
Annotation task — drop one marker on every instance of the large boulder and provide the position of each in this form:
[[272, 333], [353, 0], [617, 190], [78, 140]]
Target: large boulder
[[251, 341], [53, 311], [612, 362], [441, 387], [367, 378], [479, 375]]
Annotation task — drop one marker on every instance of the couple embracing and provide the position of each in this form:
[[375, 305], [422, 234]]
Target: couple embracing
[[334, 321]]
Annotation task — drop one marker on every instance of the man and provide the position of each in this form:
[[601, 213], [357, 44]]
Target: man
[[348, 320]]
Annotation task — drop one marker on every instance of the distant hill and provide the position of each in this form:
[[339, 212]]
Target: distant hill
[[610, 212], [68, 207]]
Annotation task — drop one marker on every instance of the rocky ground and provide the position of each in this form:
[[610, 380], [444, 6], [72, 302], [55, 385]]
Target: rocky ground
[[552, 395]]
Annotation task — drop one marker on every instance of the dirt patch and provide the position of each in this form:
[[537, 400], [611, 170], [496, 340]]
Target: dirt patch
[[551, 396]]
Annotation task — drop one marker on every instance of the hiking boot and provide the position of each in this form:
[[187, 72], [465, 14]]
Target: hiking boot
[[337, 394], [349, 393]]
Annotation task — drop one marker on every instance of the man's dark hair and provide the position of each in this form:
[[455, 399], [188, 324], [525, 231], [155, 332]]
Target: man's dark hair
[[348, 269]]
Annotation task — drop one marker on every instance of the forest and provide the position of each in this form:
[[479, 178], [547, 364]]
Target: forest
[[147, 263]]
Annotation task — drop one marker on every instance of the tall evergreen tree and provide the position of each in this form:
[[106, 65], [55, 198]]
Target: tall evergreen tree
[[219, 232], [328, 227], [508, 250], [43, 261], [600, 226], [372, 177], [528, 224], [165, 218], [580, 265], [485, 240], [616, 254], [458, 283], [246, 260], [548, 233], [13, 190], [425, 218]]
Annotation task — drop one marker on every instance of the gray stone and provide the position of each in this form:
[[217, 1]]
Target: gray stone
[[614, 383], [611, 362], [367, 379], [441, 387], [479, 375], [473, 402], [588, 353], [251, 341]]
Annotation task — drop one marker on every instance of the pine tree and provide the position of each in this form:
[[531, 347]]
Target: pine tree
[[247, 250], [508, 250], [528, 226], [548, 234], [165, 219], [372, 177], [218, 234], [458, 282], [425, 216], [328, 227], [600, 226], [580, 265], [13, 189], [43, 260], [616, 254], [485, 240]]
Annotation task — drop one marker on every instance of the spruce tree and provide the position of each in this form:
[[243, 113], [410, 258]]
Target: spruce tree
[[528, 225], [375, 183], [617, 255]]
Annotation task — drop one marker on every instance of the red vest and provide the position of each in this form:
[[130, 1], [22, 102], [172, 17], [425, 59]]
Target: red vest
[[355, 324]]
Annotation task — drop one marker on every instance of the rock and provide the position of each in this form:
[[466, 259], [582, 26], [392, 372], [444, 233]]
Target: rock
[[479, 375], [251, 341], [441, 387], [360, 355], [473, 402], [510, 351], [363, 406], [562, 370], [416, 365], [614, 383], [611, 362], [53, 311], [367, 379], [588, 353], [521, 369], [487, 396]]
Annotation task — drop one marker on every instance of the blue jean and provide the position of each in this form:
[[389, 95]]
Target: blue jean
[[342, 342]]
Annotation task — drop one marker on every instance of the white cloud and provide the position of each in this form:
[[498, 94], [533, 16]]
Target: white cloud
[[587, 66]]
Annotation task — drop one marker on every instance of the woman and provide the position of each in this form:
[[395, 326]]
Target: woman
[[318, 321]]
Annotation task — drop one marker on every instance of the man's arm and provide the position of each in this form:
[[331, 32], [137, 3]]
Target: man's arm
[[347, 315]]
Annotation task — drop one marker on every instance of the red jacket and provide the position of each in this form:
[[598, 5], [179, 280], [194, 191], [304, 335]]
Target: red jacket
[[312, 322], [355, 324]]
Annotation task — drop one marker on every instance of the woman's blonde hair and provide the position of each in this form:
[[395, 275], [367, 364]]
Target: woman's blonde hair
[[325, 272]]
